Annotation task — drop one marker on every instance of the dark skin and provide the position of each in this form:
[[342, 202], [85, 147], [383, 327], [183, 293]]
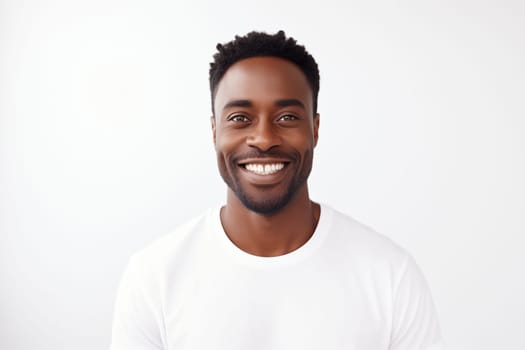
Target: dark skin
[[263, 116]]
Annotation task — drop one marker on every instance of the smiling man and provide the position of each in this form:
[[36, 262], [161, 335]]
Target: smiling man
[[271, 269]]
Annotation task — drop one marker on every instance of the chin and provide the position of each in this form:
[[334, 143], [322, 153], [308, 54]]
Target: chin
[[265, 207], [265, 204]]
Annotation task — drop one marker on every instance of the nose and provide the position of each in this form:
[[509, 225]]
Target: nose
[[263, 136]]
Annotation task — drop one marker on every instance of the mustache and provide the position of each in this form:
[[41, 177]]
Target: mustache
[[263, 154]]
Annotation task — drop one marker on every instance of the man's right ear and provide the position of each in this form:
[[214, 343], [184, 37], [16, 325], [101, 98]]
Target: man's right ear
[[212, 120]]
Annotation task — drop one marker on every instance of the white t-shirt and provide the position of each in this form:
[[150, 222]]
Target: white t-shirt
[[346, 288]]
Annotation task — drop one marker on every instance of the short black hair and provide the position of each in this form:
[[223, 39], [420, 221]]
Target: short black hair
[[255, 44]]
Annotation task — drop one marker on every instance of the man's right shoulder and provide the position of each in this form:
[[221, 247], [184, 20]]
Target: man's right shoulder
[[176, 243]]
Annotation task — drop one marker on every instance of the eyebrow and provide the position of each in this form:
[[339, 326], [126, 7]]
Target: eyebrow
[[238, 103], [290, 102], [280, 103]]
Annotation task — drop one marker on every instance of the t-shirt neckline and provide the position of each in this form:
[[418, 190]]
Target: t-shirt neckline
[[224, 243]]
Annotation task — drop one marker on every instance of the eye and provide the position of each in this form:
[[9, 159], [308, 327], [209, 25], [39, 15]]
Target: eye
[[288, 118], [239, 118]]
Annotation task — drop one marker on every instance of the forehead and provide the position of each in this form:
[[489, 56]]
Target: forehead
[[263, 80]]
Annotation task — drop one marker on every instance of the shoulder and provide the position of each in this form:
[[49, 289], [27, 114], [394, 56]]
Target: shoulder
[[382, 266], [178, 243], [359, 241]]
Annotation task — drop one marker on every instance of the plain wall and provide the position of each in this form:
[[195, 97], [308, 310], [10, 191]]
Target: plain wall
[[105, 144]]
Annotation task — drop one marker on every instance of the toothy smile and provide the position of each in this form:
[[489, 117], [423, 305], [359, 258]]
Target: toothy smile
[[264, 169]]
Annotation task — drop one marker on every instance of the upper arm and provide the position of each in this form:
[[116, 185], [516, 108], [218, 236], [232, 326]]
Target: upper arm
[[414, 324], [137, 319]]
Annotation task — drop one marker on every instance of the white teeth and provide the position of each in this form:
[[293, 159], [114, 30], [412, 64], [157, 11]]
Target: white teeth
[[265, 169]]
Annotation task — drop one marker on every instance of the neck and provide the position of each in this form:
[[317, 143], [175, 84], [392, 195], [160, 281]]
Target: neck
[[271, 235]]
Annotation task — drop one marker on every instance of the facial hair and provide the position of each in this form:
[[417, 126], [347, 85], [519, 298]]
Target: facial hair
[[268, 206]]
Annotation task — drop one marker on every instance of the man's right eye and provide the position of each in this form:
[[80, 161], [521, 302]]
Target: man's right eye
[[239, 118]]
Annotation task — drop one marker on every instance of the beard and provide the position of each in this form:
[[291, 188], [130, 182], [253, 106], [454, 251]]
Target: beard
[[264, 202]]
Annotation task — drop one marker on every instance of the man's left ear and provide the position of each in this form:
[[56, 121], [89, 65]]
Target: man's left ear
[[316, 128]]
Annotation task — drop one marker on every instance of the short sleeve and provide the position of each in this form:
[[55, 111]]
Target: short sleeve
[[415, 323], [137, 320]]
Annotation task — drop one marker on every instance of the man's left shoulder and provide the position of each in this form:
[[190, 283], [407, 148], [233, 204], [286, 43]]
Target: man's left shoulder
[[360, 241]]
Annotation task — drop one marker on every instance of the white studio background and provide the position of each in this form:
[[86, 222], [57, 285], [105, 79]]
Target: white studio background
[[106, 145]]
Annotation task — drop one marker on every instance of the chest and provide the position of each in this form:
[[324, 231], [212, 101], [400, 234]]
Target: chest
[[225, 307]]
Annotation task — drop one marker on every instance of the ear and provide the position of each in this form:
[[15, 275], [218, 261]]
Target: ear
[[316, 128], [212, 120]]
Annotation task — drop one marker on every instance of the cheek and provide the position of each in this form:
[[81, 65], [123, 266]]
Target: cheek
[[228, 142], [302, 141], [225, 150]]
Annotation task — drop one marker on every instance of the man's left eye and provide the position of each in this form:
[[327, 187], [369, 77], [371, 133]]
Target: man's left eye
[[288, 117]]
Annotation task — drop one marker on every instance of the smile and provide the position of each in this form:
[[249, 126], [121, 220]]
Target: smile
[[264, 169]]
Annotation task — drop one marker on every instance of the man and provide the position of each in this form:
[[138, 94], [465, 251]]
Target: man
[[271, 269]]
